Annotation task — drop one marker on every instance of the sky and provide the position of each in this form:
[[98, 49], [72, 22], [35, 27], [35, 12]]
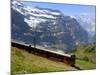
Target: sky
[[86, 12], [67, 9]]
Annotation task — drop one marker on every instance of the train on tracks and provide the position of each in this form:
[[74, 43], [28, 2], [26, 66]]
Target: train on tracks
[[50, 54]]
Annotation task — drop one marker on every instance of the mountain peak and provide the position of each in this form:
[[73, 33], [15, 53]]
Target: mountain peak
[[52, 27]]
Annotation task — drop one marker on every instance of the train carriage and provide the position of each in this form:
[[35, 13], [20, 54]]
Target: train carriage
[[66, 58]]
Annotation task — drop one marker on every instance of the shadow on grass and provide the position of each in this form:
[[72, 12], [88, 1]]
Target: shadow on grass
[[77, 67]]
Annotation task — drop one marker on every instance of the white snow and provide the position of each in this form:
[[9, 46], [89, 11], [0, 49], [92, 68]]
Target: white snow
[[19, 10], [32, 18], [15, 2], [30, 12], [50, 12], [43, 15], [43, 11], [72, 16], [28, 22], [33, 10], [55, 13], [33, 22]]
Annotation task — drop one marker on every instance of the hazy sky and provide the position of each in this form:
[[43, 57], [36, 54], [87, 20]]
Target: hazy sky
[[67, 9]]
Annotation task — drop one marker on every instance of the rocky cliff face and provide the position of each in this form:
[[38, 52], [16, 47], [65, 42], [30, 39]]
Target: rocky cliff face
[[49, 28]]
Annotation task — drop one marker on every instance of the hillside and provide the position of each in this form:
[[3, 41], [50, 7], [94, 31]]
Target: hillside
[[24, 62], [86, 56]]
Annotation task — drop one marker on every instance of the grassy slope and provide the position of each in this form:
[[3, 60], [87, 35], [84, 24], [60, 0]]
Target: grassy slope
[[85, 65], [86, 56], [24, 62]]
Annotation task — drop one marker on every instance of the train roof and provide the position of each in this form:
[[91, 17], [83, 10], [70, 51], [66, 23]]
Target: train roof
[[42, 48]]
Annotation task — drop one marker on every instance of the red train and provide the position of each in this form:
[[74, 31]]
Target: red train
[[66, 58]]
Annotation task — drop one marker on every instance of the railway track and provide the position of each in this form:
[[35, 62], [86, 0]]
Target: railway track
[[66, 58]]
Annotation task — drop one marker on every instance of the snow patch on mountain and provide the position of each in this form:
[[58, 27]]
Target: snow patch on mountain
[[87, 21], [52, 26], [33, 22], [34, 15]]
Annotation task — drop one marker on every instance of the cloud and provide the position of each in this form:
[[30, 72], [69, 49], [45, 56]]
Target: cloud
[[87, 21]]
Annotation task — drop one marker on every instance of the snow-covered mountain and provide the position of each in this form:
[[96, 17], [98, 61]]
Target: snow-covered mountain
[[87, 21], [46, 26], [35, 15]]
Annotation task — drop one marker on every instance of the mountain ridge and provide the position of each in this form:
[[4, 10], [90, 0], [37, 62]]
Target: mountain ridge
[[47, 29]]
